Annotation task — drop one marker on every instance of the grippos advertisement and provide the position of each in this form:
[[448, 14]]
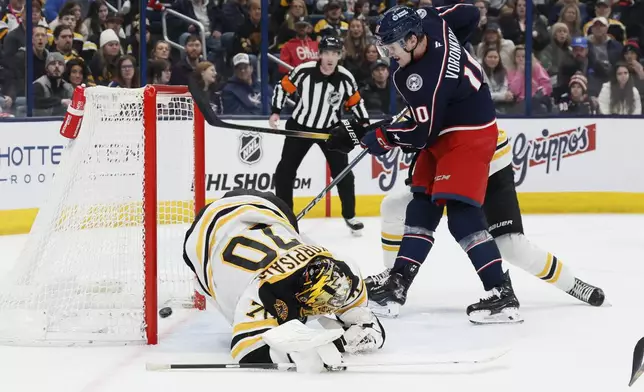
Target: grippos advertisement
[[248, 160], [28, 160]]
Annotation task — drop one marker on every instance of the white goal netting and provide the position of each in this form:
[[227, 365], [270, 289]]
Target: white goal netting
[[81, 276]]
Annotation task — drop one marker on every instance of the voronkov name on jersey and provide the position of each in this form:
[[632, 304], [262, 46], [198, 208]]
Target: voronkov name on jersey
[[550, 148]]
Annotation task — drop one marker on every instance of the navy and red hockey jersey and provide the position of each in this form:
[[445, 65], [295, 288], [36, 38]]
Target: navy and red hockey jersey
[[444, 89]]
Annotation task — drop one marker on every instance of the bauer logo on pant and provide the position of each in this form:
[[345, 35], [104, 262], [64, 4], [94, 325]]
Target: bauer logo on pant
[[250, 148]]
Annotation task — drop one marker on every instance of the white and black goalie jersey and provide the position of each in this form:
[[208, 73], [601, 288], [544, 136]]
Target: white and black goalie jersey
[[321, 97], [246, 254]]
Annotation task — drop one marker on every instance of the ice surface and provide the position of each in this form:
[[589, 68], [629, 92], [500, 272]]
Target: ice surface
[[563, 345]]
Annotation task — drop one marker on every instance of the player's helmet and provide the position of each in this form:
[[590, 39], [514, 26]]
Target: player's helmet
[[323, 287], [330, 43], [397, 25]]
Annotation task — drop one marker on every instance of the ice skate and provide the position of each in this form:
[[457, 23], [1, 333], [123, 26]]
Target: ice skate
[[587, 293], [355, 226], [501, 307]]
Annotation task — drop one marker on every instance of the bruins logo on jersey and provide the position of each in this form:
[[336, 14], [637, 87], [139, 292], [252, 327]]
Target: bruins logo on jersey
[[281, 309]]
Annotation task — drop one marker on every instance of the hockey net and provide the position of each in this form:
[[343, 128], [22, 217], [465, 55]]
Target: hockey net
[[105, 251]]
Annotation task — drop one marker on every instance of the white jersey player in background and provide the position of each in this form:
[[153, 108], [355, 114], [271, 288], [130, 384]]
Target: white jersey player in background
[[251, 261], [501, 207]]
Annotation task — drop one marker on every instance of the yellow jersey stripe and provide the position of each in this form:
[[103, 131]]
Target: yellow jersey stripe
[[247, 345], [391, 237], [252, 325]]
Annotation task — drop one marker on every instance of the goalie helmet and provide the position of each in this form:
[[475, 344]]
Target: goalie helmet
[[323, 287]]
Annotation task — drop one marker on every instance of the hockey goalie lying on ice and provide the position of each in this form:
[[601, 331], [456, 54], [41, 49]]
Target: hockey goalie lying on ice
[[250, 260]]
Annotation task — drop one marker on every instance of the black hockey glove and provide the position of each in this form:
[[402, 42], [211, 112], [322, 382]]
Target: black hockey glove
[[346, 135]]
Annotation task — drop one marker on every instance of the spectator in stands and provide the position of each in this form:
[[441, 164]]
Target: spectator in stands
[[559, 9], [15, 73], [206, 12], [575, 101], [15, 39], [496, 6], [184, 68], [96, 20], [619, 95], [354, 46], [497, 79], [605, 48], [52, 7], [103, 65], [241, 95], [492, 37], [477, 34], [376, 92], [10, 16], [75, 72], [70, 15], [631, 14], [570, 16], [287, 31], [235, 13], [557, 52], [205, 75], [127, 74], [583, 61], [159, 71], [63, 41], [160, 50], [300, 48], [615, 28], [249, 36], [68, 18], [52, 94], [513, 27], [632, 57], [133, 46], [540, 81], [332, 24]]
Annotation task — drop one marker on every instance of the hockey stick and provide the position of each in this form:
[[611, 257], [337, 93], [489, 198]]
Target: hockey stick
[[344, 366], [333, 183], [203, 103], [638, 366]]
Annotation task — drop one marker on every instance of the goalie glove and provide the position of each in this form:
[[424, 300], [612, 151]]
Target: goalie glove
[[363, 332], [312, 350]]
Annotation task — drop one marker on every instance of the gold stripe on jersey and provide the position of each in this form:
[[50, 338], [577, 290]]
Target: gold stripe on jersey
[[254, 325], [359, 298], [245, 346], [502, 156], [291, 261]]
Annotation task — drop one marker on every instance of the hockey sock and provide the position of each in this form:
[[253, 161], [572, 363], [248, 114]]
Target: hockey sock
[[518, 250], [421, 219], [392, 224], [468, 227]]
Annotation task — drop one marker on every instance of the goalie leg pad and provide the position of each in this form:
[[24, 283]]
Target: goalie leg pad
[[319, 359], [295, 336]]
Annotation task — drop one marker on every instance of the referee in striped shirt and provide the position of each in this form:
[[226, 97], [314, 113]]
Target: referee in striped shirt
[[324, 88]]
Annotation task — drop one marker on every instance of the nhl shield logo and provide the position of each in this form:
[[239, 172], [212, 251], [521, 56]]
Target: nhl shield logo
[[250, 148]]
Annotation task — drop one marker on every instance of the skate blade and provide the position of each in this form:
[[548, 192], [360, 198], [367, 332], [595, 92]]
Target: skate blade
[[506, 316], [356, 233], [392, 310]]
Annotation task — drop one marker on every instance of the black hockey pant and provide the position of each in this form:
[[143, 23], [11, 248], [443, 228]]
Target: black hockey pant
[[293, 153]]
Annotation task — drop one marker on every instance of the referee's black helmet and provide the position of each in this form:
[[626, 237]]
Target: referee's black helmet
[[331, 44]]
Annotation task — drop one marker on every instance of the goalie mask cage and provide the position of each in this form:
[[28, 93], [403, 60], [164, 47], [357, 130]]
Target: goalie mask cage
[[106, 250]]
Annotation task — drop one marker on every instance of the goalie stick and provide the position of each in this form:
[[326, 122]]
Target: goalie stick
[[345, 366], [638, 366]]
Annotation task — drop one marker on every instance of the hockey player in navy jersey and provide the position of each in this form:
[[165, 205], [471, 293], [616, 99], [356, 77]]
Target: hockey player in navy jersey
[[454, 130]]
